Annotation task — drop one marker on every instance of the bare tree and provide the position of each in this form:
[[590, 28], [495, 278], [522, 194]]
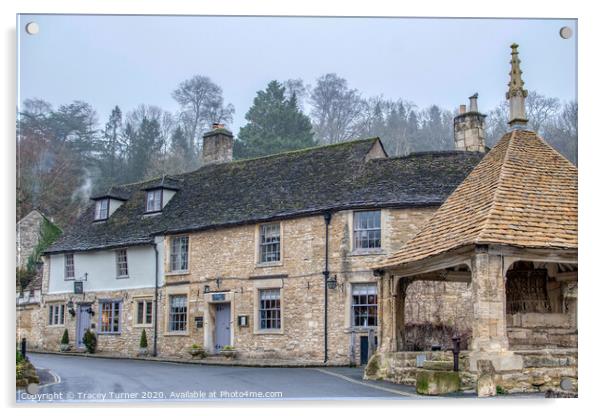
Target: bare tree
[[337, 111], [540, 110], [201, 104]]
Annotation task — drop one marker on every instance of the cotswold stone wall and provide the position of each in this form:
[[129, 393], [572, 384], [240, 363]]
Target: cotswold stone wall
[[28, 235], [225, 261], [435, 312]]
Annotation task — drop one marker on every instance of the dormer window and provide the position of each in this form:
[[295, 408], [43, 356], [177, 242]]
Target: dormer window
[[102, 210], [154, 200]]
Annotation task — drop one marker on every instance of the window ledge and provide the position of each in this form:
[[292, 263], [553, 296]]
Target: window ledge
[[360, 329], [122, 277], [176, 334], [364, 252], [264, 332], [109, 333], [142, 325], [271, 264], [177, 273]]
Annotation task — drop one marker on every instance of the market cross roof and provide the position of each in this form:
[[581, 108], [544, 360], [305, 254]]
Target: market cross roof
[[286, 185], [523, 193]]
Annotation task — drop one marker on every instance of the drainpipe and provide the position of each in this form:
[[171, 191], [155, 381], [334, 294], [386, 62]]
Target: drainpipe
[[326, 272], [156, 308]]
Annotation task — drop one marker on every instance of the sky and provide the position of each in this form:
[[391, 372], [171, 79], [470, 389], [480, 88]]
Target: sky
[[131, 60]]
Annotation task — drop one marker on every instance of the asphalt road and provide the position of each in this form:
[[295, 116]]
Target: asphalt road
[[86, 379]]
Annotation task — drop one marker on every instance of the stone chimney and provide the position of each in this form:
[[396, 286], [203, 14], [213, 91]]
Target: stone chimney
[[217, 145], [469, 128], [516, 93]]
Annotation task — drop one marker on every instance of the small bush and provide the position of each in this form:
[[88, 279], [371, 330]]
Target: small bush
[[143, 340], [195, 346], [90, 341], [228, 348], [20, 357], [500, 390], [65, 338]]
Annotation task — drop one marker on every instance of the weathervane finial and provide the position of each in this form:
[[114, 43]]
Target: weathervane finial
[[516, 93]]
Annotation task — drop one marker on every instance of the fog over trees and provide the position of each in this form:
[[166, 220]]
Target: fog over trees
[[65, 154]]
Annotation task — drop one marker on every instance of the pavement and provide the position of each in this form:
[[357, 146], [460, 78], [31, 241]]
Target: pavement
[[88, 379]]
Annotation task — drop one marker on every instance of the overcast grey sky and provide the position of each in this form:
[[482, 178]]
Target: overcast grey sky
[[130, 60]]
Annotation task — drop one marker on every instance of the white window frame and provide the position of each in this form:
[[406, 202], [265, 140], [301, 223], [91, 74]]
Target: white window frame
[[265, 244], [121, 262], [101, 213], [182, 314], [69, 270], [143, 319], [357, 229], [56, 314], [176, 261], [272, 314], [114, 310], [154, 200], [364, 289]]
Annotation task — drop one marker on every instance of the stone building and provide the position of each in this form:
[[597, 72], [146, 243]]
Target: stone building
[[270, 255], [509, 231]]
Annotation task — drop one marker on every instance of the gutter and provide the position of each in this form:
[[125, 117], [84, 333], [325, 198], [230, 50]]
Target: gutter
[[326, 272], [156, 309]]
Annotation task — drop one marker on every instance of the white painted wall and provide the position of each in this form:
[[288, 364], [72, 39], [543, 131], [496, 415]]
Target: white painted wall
[[101, 267]]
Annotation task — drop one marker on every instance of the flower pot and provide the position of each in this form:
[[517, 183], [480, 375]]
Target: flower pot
[[228, 353], [197, 352], [65, 347]]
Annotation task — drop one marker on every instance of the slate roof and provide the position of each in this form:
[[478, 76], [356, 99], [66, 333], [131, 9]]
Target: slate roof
[[523, 193], [286, 185]]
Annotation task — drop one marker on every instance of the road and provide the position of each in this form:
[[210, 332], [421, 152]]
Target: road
[[88, 379]]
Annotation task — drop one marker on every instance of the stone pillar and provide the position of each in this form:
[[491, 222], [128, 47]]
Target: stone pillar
[[489, 300], [400, 306], [386, 314]]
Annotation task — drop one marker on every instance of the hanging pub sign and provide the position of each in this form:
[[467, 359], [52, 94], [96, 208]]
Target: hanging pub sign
[[78, 287], [198, 321]]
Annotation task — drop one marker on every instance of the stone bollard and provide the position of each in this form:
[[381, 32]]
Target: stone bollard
[[486, 381]]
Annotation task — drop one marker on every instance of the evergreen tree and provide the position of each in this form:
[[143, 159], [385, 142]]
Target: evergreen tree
[[274, 124], [111, 149], [144, 144]]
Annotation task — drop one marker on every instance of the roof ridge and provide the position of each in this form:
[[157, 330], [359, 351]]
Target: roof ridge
[[305, 149], [498, 181]]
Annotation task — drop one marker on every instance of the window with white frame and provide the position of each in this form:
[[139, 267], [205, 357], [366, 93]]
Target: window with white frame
[[121, 256], [153, 200], [56, 315], [69, 267], [102, 210], [178, 255], [144, 308], [364, 305], [269, 243], [366, 230], [178, 313], [109, 317], [269, 309]]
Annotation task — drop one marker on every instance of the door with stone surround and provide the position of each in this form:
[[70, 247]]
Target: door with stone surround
[[82, 324], [222, 325]]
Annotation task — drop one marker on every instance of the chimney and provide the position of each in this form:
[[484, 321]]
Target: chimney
[[217, 145], [469, 127]]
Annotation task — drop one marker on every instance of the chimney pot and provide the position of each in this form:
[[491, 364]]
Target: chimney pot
[[462, 108], [473, 103]]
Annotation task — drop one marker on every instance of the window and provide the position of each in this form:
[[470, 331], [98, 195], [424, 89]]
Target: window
[[269, 243], [102, 210], [144, 312], [179, 254], [69, 267], [269, 309], [56, 315], [178, 313], [122, 263], [364, 305], [366, 230], [153, 200], [109, 317]]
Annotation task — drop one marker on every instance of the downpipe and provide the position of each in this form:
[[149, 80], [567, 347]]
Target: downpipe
[[326, 272]]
